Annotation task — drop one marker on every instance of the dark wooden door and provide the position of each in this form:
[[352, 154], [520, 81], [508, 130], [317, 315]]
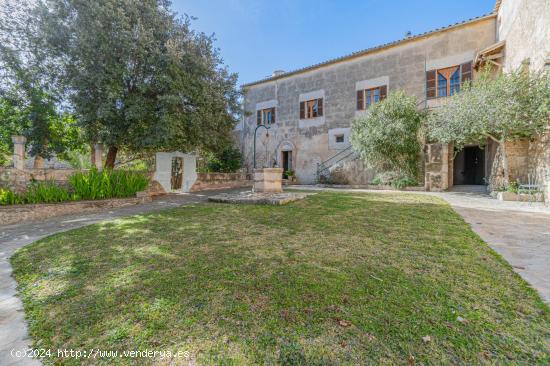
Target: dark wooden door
[[474, 165], [287, 163], [177, 173]]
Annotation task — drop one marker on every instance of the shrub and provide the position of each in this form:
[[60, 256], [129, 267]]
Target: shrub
[[226, 161], [387, 136], [107, 184], [8, 197], [394, 179], [45, 192]]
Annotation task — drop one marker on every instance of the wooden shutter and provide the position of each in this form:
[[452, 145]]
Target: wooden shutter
[[320, 107], [302, 110], [360, 100], [383, 92], [272, 115], [465, 72], [259, 117], [430, 84]]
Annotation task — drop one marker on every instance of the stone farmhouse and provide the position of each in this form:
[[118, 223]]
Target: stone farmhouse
[[311, 109]]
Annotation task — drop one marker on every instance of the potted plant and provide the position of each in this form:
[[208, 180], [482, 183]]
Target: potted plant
[[290, 175]]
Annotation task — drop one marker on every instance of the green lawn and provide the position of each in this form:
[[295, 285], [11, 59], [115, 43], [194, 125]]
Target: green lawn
[[333, 279]]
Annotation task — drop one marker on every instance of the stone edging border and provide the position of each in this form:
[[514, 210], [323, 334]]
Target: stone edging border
[[15, 214]]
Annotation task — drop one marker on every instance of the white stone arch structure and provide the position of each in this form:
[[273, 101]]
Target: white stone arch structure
[[163, 170]]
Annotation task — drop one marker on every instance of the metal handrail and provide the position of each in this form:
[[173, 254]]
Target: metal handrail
[[335, 155]]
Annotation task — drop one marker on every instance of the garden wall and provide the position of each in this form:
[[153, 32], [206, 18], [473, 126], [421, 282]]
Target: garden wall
[[539, 161], [18, 180], [23, 213], [207, 181]]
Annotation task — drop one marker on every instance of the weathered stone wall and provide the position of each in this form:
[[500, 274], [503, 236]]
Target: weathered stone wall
[[354, 172], [18, 180], [24, 213], [400, 67], [524, 24], [539, 161], [209, 181], [517, 153], [437, 164]]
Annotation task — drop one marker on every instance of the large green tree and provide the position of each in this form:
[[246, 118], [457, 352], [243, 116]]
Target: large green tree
[[137, 76], [498, 108]]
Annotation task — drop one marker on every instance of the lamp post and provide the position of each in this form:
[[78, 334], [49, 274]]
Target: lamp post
[[255, 132]]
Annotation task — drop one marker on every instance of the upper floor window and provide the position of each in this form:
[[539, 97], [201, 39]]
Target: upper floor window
[[447, 81], [311, 108], [265, 116], [367, 97]]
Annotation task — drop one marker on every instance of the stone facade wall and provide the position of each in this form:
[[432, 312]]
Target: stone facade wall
[[402, 66], [18, 180], [24, 213], [539, 161], [209, 181], [524, 24], [437, 164], [517, 153]]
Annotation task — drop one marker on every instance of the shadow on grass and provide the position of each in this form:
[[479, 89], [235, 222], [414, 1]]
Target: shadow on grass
[[335, 278]]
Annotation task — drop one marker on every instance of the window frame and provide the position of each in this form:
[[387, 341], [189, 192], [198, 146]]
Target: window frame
[[337, 136], [464, 71], [312, 108], [363, 103], [261, 116]]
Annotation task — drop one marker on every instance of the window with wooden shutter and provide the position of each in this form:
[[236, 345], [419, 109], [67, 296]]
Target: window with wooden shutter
[[265, 116], [383, 92], [447, 81], [360, 100], [311, 108], [373, 95], [465, 72], [430, 84]]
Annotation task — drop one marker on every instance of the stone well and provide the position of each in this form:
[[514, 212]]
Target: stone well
[[268, 180]]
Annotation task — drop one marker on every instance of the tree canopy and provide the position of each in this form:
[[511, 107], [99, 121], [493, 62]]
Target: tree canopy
[[386, 137], [501, 108], [135, 74]]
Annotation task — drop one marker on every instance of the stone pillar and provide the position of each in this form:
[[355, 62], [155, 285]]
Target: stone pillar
[[19, 151], [97, 156], [268, 180], [436, 160]]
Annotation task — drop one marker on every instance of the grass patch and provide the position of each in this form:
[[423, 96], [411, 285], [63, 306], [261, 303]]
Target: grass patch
[[333, 279]]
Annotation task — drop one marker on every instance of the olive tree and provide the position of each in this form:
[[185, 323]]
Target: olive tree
[[502, 108], [386, 136], [135, 74]]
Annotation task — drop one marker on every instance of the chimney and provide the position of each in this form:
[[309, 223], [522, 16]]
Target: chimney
[[277, 73]]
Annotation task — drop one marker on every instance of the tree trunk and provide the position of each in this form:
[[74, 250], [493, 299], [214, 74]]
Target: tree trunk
[[111, 157], [92, 154], [505, 163], [38, 162]]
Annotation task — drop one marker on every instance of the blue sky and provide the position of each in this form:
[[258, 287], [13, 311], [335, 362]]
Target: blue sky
[[258, 36]]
